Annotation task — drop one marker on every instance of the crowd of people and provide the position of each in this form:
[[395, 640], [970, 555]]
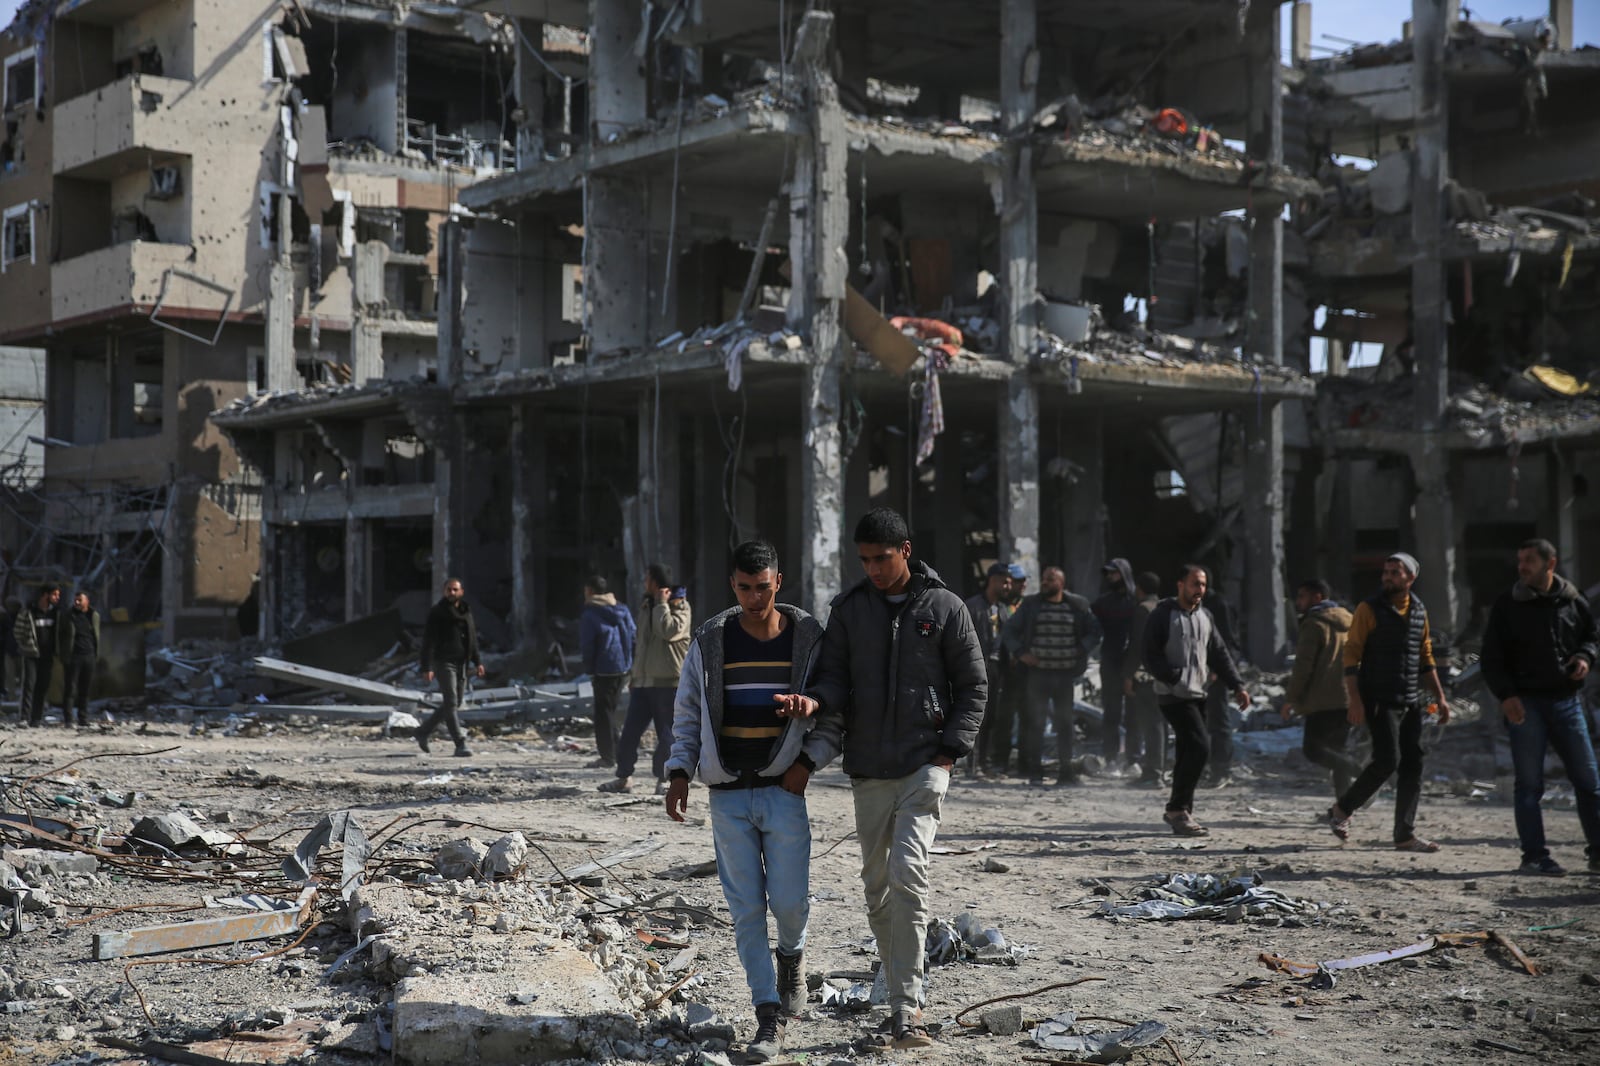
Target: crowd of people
[[906, 682]]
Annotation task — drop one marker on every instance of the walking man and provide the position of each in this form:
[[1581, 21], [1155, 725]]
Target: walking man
[[1139, 692], [740, 723], [662, 643], [606, 633], [1316, 687], [1114, 611], [1182, 649], [449, 650], [80, 649], [35, 632], [1051, 634], [1388, 656], [990, 612], [901, 675], [1538, 647]]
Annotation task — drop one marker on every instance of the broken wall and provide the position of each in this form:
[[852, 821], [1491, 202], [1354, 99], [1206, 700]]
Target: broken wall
[[365, 104]]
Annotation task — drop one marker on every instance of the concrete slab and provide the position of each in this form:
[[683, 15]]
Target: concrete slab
[[445, 1019]]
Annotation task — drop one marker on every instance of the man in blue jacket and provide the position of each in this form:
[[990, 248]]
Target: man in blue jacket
[[740, 724], [605, 637]]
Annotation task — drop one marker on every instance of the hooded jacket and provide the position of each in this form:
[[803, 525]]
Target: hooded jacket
[[1317, 682], [663, 642], [26, 631], [697, 710], [1018, 634], [899, 683], [1531, 636], [605, 636], [449, 635], [1115, 612]]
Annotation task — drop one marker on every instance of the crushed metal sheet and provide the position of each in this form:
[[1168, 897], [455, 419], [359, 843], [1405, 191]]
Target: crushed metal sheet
[[338, 827], [1207, 896], [207, 932]]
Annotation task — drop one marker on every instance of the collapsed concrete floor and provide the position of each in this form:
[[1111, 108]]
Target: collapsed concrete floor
[[463, 970]]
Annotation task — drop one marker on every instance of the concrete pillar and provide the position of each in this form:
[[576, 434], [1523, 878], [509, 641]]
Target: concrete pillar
[[1561, 18], [281, 373], [1266, 630], [709, 588], [949, 535], [452, 295], [820, 170], [660, 495], [366, 338], [528, 494], [268, 574], [357, 569], [618, 92], [448, 496], [1433, 524], [1563, 519], [1300, 32], [1429, 297], [530, 92], [1086, 508], [1339, 537], [1018, 415]]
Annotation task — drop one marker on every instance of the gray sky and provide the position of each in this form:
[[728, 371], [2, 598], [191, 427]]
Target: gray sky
[[1361, 20]]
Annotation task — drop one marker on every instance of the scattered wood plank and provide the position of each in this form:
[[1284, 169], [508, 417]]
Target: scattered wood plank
[[331, 712], [205, 933], [637, 850], [332, 681]]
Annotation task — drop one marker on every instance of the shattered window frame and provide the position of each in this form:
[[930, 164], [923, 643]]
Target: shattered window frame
[[13, 220], [29, 56]]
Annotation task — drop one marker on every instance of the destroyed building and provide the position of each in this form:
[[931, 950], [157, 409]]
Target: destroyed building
[[204, 199], [760, 267], [1456, 234]]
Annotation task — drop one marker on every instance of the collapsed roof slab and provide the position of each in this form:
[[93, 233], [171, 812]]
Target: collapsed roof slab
[[1381, 257], [1156, 391], [1378, 440], [1127, 184]]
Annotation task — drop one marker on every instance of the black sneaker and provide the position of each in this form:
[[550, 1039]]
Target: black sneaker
[[422, 742], [770, 1030], [791, 982], [1545, 867], [461, 751]]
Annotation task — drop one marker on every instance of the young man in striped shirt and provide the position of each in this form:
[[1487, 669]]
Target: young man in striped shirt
[[739, 721]]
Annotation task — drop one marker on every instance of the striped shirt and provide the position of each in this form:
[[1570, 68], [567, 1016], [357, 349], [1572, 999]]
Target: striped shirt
[[753, 672], [1055, 637]]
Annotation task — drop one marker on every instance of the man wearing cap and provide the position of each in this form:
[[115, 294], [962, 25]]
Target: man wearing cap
[[1388, 656], [990, 611]]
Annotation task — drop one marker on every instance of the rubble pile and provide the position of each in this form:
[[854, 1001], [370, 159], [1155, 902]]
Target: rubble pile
[[1486, 416], [1232, 898]]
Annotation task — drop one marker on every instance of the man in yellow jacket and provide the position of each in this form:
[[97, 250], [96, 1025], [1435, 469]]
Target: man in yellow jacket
[[666, 623], [1316, 687]]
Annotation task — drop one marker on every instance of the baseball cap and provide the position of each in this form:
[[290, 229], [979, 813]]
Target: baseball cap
[[1016, 572], [999, 570]]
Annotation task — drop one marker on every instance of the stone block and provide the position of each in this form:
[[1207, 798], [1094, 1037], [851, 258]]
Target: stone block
[[51, 863]]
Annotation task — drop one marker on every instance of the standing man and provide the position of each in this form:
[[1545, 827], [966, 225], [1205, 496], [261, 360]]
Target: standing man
[[1387, 657], [1011, 704], [1316, 687], [449, 649], [35, 632], [1138, 689], [11, 653], [1182, 649], [1219, 718], [1538, 647], [1051, 634], [1114, 611], [662, 642], [740, 722], [902, 675], [79, 649], [989, 612], [605, 637]]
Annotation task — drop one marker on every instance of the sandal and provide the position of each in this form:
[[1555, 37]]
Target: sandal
[[910, 1034], [1417, 844], [1340, 827]]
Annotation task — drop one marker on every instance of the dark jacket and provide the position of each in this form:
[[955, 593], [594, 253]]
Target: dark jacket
[[1133, 663], [449, 636], [899, 687], [1393, 650], [606, 633], [978, 609], [1182, 648], [1317, 682], [697, 709], [67, 626], [1115, 612], [1531, 636], [31, 623], [1223, 615], [1018, 635]]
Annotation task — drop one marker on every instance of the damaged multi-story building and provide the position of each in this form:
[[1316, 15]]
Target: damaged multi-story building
[[1455, 252], [205, 199], [1014, 268]]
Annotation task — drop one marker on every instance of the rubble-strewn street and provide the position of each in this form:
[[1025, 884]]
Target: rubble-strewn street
[[635, 959]]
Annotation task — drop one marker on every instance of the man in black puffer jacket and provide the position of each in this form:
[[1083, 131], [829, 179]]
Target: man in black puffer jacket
[[449, 647], [901, 688], [1538, 648]]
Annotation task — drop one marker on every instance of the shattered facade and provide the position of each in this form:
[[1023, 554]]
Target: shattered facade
[[204, 199], [753, 275]]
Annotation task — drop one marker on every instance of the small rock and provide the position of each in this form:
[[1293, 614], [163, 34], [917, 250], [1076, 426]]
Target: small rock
[[1469, 886], [461, 860], [1590, 979], [1003, 1021], [523, 996], [63, 1033], [506, 855], [1470, 1012], [995, 866]]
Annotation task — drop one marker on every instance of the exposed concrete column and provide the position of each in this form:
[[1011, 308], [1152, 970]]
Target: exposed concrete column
[[528, 494], [1429, 296], [281, 373], [1300, 32], [530, 93], [659, 484], [366, 337], [616, 278], [357, 569], [267, 591], [619, 96], [821, 171], [1266, 630], [1433, 524], [1086, 508], [949, 535], [1018, 414], [1561, 18], [711, 530], [1564, 521], [452, 295]]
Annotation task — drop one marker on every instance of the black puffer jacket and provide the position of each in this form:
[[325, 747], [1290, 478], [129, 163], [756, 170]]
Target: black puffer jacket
[[1530, 638], [449, 636], [898, 688]]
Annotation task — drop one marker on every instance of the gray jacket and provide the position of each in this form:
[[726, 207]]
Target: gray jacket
[[1182, 649], [898, 689], [697, 710]]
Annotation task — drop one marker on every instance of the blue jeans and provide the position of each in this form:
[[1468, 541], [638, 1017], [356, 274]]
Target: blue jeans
[[1561, 724], [763, 842]]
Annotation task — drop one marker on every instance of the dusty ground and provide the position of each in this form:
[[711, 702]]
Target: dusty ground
[[1202, 978]]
